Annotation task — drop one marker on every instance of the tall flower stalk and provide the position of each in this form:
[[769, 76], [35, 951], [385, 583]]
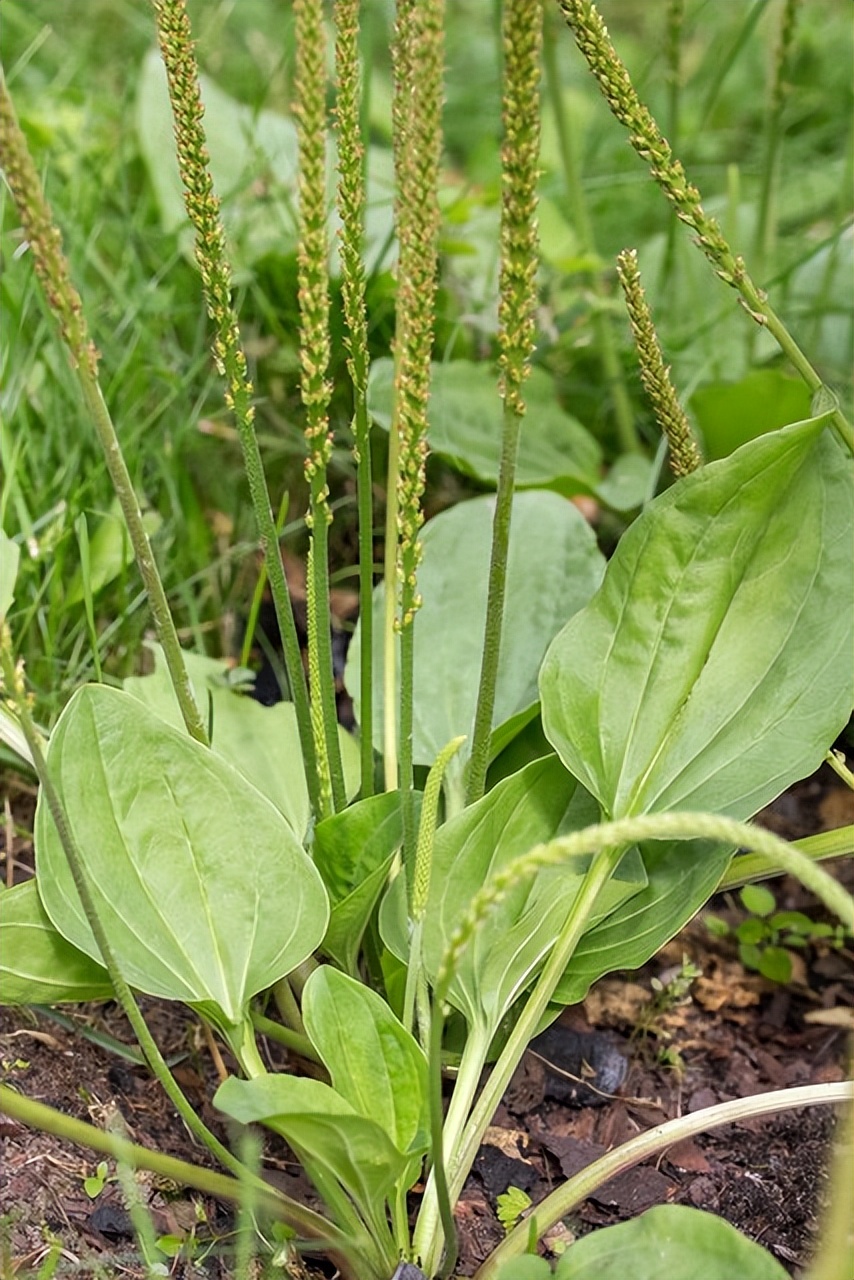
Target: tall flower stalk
[[765, 228], [351, 209], [579, 211], [313, 274], [592, 38], [522, 30], [419, 59], [655, 375], [202, 204], [51, 267]]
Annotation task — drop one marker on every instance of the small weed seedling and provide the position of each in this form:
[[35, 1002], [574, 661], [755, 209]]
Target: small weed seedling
[[768, 939]]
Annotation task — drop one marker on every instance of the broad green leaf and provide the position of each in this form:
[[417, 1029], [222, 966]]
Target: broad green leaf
[[372, 1060], [326, 1133], [465, 416], [681, 876], [262, 742], [353, 851], [670, 1240], [205, 892], [37, 965], [353, 843], [531, 807], [554, 567], [110, 551], [731, 413], [10, 555], [713, 667]]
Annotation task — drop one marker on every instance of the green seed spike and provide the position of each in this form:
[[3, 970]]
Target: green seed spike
[[655, 375]]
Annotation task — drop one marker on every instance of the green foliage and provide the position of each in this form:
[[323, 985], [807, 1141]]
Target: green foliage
[[192, 905], [768, 938], [664, 692], [704, 668], [510, 1206], [554, 567]]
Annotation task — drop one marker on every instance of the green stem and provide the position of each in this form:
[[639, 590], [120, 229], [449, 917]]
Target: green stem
[[390, 613], [436, 1206], [603, 330], [38, 1116], [836, 760], [501, 520], [258, 593], [577, 1189], [748, 867], [327, 741], [286, 1003], [604, 865], [284, 1035], [418, 886], [53, 272], [351, 206], [406, 767]]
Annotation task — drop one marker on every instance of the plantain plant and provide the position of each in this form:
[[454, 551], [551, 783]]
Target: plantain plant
[[194, 846]]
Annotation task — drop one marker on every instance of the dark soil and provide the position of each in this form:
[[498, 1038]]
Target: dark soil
[[648, 1057]]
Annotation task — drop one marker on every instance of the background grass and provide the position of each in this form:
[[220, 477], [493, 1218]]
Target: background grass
[[76, 81]]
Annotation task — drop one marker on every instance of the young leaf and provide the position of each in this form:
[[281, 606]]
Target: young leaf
[[713, 667], [324, 1130], [554, 568], [353, 843], [37, 965], [670, 1240], [373, 1061], [353, 851], [206, 893]]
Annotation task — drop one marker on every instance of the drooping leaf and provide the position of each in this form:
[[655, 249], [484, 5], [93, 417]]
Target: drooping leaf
[[713, 667], [327, 1134], [670, 1240], [465, 415], [262, 742], [37, 965], [205, 892], [531, 807], [554, 567], [373, 1061]]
